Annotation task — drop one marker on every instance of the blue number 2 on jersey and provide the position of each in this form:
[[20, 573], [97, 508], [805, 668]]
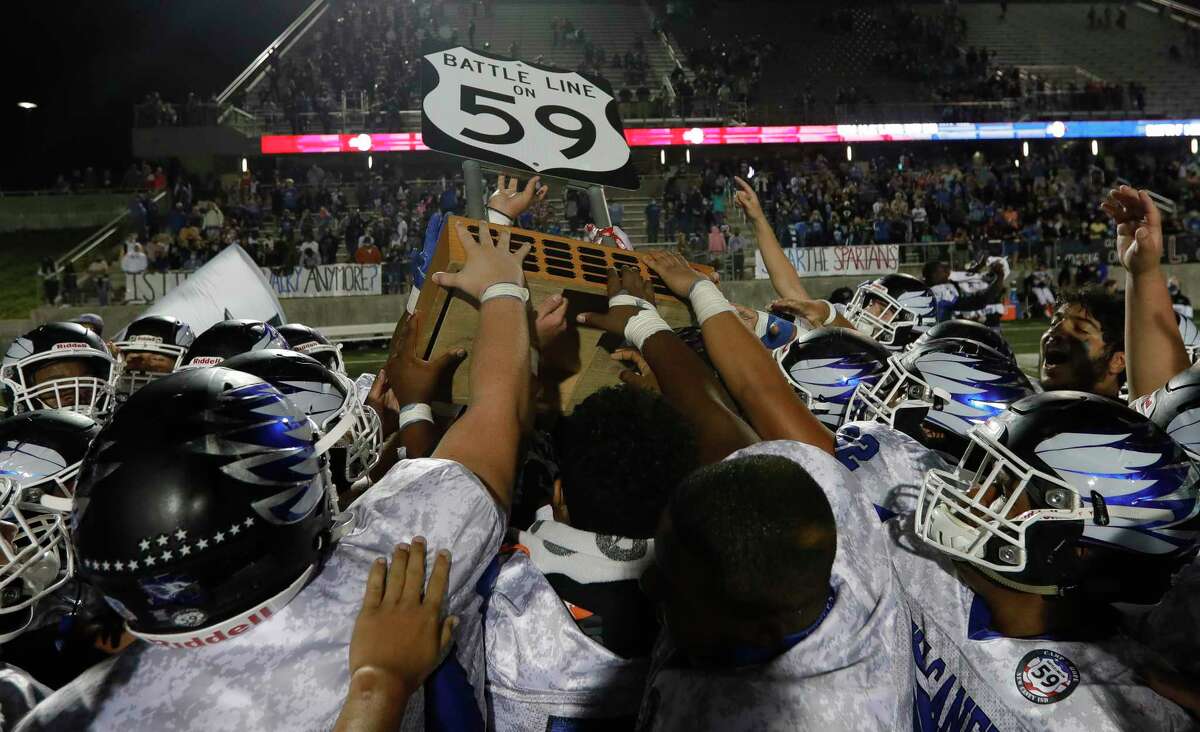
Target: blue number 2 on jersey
[[854, 448]]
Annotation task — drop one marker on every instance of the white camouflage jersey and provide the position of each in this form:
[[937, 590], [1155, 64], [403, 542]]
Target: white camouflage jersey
[[19, 692], [845, 675], [543, 672], [966, 676], [291, 673], [887, 464]]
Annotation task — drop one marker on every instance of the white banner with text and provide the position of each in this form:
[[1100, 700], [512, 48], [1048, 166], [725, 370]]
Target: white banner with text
[[862, 259], [326, 280]]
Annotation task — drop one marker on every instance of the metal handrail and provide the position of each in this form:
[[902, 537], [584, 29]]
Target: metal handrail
[[85, 247], [282, 45]]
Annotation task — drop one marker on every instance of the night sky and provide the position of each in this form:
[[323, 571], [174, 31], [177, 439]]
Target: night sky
[[86, 63]]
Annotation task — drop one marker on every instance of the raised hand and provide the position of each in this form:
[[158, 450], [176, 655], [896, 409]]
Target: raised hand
[[747, 200], [625, 281], [487, 263], [674, 270], [383, 400], [641, 376], [398, 633], [811, 310], [512, 203], [550, 319], [1139, 228], [412, 379]]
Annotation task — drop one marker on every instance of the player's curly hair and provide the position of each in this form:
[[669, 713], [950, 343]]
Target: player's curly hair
[[1107, 308], [621, 453]]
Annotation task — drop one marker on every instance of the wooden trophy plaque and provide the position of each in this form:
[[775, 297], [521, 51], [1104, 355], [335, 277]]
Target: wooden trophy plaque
[[577, 269]]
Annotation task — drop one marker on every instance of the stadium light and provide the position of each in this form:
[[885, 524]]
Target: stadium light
[[1024, 149], [1017, 162], [687, 154], [662, 156], [370, 162], [245, 166], [1095, 147], [849, 154], [1195, 146], [27, 105]]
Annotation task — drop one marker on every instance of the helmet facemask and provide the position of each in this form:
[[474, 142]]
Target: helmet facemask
[[92, 396], [885, 326], [35, 559], [132, 379], [899, 399], [1015, 523], [329, 354]]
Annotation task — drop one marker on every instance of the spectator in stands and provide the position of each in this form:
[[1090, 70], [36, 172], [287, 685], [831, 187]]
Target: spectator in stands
[[70, 284], [98, 273], [716, 245], [214, 219], [737, 247], [49, 274], [134, 261], [310, 258], [616, 213], [653, 212], [368, 253]]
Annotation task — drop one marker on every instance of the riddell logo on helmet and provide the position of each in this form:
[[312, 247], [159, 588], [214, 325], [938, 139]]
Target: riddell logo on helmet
[[219, 636], [205, 361], [69, 346]]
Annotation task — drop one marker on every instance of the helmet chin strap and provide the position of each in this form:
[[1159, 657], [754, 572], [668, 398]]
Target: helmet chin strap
[[330, 439], [1046, 590]]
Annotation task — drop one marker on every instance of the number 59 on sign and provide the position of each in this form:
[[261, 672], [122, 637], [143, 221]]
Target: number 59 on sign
[[510, 113]]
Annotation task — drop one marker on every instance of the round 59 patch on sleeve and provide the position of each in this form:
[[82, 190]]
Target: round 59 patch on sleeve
[[1044, 676]]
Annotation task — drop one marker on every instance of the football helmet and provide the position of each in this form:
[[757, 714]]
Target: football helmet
[[89, 390], [41, 453], [1062, 470], [937, 391], [35, 559], [1175, 407], [161, 335], [906, 309], [329, 398], [967, 330], [311, 342], [826, 365], [209, 523], [229, 338], [1191, 336]]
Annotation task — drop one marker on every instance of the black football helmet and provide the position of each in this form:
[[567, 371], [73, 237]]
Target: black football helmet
[[329, 398], [935, 392], [41, 452], [35, 559], [1062, 470], [967, 330], [89, 390], [160, 335], [826, 365], [1175, 407], [311, 342], [894, 310], [229, 338], [203, 508]]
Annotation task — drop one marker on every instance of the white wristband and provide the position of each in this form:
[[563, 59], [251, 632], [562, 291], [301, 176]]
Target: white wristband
[[410, 413], [833, 313], [413, 295], [626, 299], [504, 289], [708, 301], [496, 216], [643, 325], [760, 326]]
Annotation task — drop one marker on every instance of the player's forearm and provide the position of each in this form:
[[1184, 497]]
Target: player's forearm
[[1154, 350], [784, 277], [758, 386], [373, 703], [499, 396], [689, 386]]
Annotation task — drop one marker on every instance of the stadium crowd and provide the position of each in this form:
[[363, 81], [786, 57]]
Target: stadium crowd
[[852, 517]]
